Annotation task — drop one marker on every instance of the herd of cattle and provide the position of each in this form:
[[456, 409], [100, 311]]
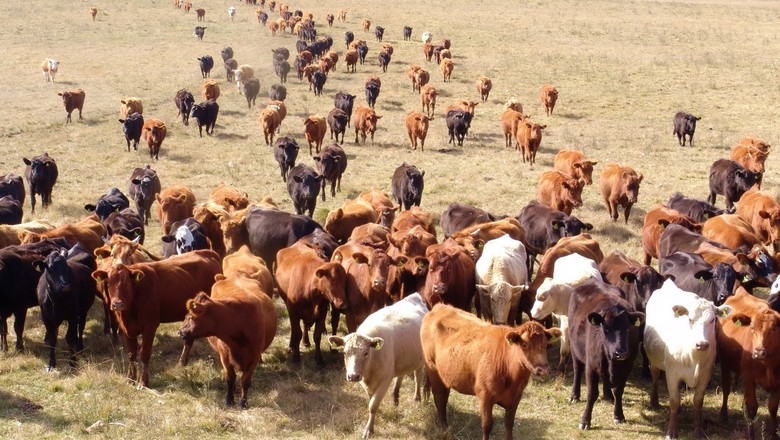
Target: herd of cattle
[[406, 297]]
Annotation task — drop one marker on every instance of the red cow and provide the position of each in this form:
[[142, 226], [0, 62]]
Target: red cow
[[656, 220], [620, 187], [450, 277], [154, 133], [173, 204], [548, 96], [560, 191], [382, 205], [762, 211], [353, 213], [575, 164], [730, 230], [529, 137], [365, 121]]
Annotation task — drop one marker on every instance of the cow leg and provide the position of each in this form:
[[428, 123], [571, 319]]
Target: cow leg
[[607, 385], [397, 389], [618, 390], [645, 362], [698, 401], [441, 395], [592, 384], [627, 212], [51, 341], [771, 426], [319, 329], [419, 378], [356, 135], [751, 405], [656, 374], [184, 359], [80, 118], [486, 414], [509, 421], [246, 382], [712, 197], [295, 337], [333, 186], [132, 354], [230, 382], [19, 319], [578, 368], [565, 352], [147, 339], [726, 385], [373, 405], [72, 339], [673, 384], [3, 335]]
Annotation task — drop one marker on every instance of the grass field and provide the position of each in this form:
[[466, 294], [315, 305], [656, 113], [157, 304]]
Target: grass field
[[623, 68]]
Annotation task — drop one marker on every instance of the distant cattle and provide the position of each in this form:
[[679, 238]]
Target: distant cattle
[[132, 127], [548, 96], [50, 67], [285, 153], [314, 128], [201, 14], [278, 92], [730, 180], [250, 89], [173, 204], [458, 124], [384, 60], [351, 58], [447, 66], [620, 187], [200, 31], [72, 100], [685, 125], [206, 64], [699, 210], [154, 133], [407, 33], [303, 185], [318, 81], [41, 174], [231, 66], [365, 123], [129, 106], [560, 191], [428, 95], [270, 121], [408, 184], [373, 86], [205, 114], [484, 85], [529, 138], [143, 190], [510, 120], [93, 12], [331, 164], [184, 102]]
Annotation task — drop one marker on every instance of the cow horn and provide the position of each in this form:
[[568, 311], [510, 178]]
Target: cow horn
[[476, 231]]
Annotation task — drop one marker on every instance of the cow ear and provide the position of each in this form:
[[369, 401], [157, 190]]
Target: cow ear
[[706, 215], [663, 223], [400, 260], [679, 310], [26, 161], [740, 319], [376, 343], [557, 224], [339, 213], [39, 265], [168, 238], [482, 288], [316, 158], [422, 173], [637, 318], [220, 277], [101, 253], [136, 181], [360, 258], [742, 258], [479, 244], [588, 227], [595, 319], [577, 165], [514, 338], [89, 207], [137, 275], [336, 341], [639, 178], [99, 275], [320, 273], [702, 276], [553, 334], [724, 311], [628, 277], [298, 179], [745, 278], [593, 164], [337, 159]]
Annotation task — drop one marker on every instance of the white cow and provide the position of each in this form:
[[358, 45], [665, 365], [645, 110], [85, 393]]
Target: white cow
[[231, 12], [502, 275], [427, 37], [680, 339], [385, 346], [50, 66], [552, 297]]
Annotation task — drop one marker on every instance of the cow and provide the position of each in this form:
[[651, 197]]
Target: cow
[[269, 230], [199, 31], [89, 232], [458, 124], [560, 191], [353, 213], [362, 50], [184, 102], [281, 108], [331, 164], [308, 284], [408, 184], [450, 275], [226, 53], [548, 97], [470, 356], [50, 67], [132, 126], [698, 210], [18, 283], [762, 211], [692, 274], [209, 90], [417, 128], [154, 131], [501, 276], [228, 197], [620, 187], [93, 12], [318, 80], [231, 12], [72, 100], [351, 58], [282, 69], [243, 263], [143, 189], [270, 121], [10, 234], [379, 31], [10, 211], [12, 185], [285, 153], [421, 79], [173, 204], [144, 295], [41, 174], [407, 33], [277, 92], [205, 114], [730, 180], [544, 226], [65, 291], [732, 231], [679, 338], [575, 164], [129, 106], [384, 60], [365, 123], [344, 101], [303, 186], [386, 346], [113, 200], [684, 125], [250, 89], [428, 98], [446, 66], [201, 13], [528, 137], [484, 85], [656, 220], [238, 310], [458, 216], [510, 120], [604, 331], [373, 86], [206, 64], [125, 222], [751, 159], [338, 121], [314, 128], [382, 205], [186, 236]]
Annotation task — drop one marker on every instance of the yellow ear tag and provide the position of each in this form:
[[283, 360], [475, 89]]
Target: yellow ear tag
[[738, 323], [701, 280], [637, 323], [138, 277], [98, 279]]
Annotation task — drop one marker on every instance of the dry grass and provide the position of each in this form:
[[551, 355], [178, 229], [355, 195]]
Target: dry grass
[[622, 69]]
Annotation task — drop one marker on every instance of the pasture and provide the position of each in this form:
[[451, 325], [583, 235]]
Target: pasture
[[623, 68]]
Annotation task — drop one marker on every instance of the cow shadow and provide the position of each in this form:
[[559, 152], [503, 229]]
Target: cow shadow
[[469, 424], [570, 116], [181, 158], [23, 410], [394, 104], [452, 151], [229, 136], [231, 112]]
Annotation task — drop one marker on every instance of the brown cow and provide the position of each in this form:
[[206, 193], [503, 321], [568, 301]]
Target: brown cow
[[10, 235], [620, 187], [238, 310], [366, 24], [492, 362], [209, 89], [173, 204], [229, 197], [417, 128], [154, 133], [244, 263], [129, 106], [510, 120], [144, 295], [208, 214], [751, 158], [474, 237], [315, 127], [656, 219], [93, 12], [421, 79], [353, 213], [382, 204], [281, 108], [411, 244], [450, 277], [412, 217], [308, 284], [447, 66], [428, 98], [72, 100], [365, 121], [371, 234], [463, 104], [201, 14], [730, 230], [411, 72], [270, 120], [428, 51], [762, 211], [89, 232], [351, 58], [548, 96], [575, 164], [560, 191], [484, 85], [528, 137]]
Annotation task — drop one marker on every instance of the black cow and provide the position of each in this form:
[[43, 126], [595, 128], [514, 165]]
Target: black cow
[[282, 69], [143, 189], [384, 60], [324, 243], [684, 124], [407, 33], [66, 291], [113, 200], [41, 174], [226, 53], [318, 80], [331, 163], [349, 37], [379, 31], [299, 65], [186, 236], [11, 212], [132, 128], [18, 282], [692, 274], [338, 121], [126, 223], [205, 114], [263, 18], [278, 92], [206, 64], [301, 45], [544, 226], [457, 216], [362, 51], [230, 67], [345, 102], [698, 210], [604, 334], [270, 230], [730, 180], [458, 124], [199, 32], [372, 92], [408, 184], [281, 54], [250, 89], [285, 153], [303, 185], [184, 102], [12, 185]]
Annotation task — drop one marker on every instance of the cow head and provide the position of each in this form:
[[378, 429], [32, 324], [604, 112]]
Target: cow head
[[378, 264], [551, 297], [615, 323], [146, 184], [233, 233], [568, 227], [122, 284], [121, 248], [308, 184], [528, 345], [171, 208], [497, 300], [702, 317], [358, 352], [772, 224], [57, 273], [197, 323], [288, 148], [387, 216], [40, 167], [330, 280], [572, 194], [583, 170], [744, 179], [631, 183], [328, 164], [765, 330], [643, 281], [183, 238]]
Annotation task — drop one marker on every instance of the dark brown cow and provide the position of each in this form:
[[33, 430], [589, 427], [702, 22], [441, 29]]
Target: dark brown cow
[[72, 100], [729, 179], [41, 174]]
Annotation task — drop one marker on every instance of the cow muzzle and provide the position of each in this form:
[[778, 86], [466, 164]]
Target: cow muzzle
[[542, 370], [117, 305], [620, 355], [702, 346], [440, 289], [353, 377], [760, 354], [378, 284]]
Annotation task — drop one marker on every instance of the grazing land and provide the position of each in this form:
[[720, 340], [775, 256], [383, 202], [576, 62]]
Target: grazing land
[[622, 68]]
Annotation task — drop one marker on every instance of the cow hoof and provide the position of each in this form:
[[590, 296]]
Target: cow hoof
[[619, 420], [574, 399], [584, 426]]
